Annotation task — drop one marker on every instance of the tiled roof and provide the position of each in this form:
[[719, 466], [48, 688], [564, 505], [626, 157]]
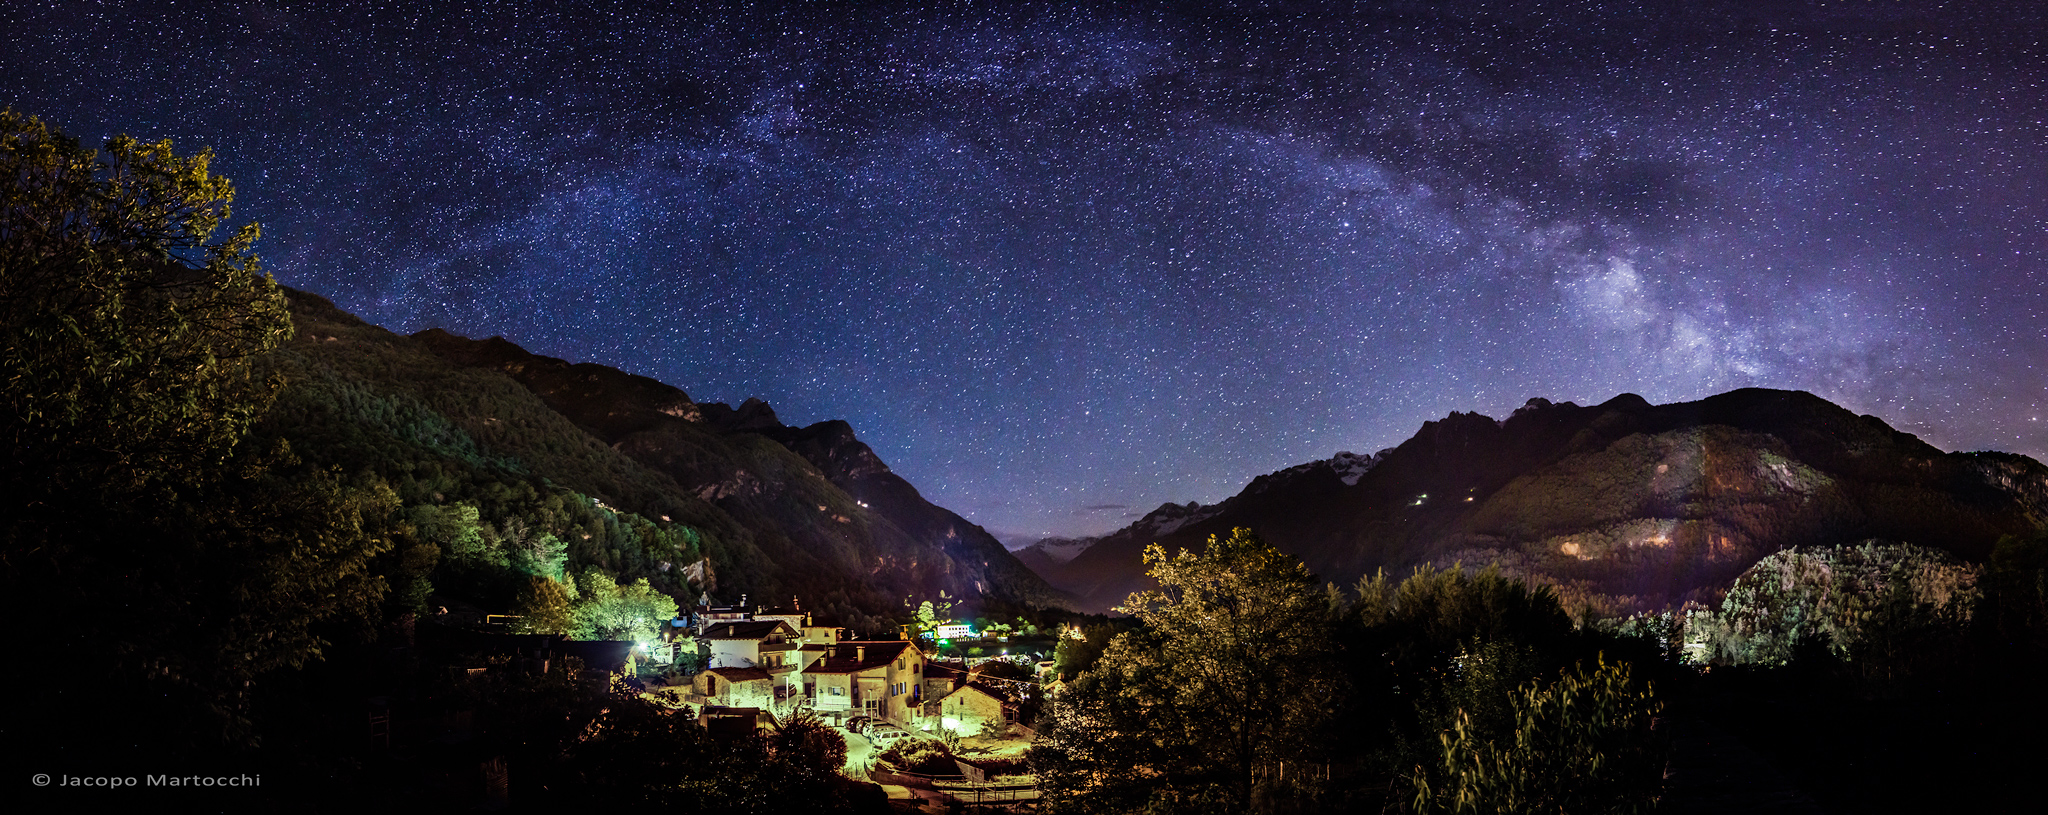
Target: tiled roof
[[855, 657], [755, 630], [983, 690], [739, 674]]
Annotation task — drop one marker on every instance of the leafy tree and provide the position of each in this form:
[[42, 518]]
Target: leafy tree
[[544, 608], [458, 530], [1434, 613], [2014, 606], [1227, 681], [927, 616], [1420, 650], [1894, 595], [1074, 655], [126, 332], [921, 755], [133, 520], [541, 555], [805, 739], [635, 753], [409, 576], [609, 611], [1580, 744]]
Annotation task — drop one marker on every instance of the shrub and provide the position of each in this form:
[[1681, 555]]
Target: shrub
[[920, 755], [1581, 745]]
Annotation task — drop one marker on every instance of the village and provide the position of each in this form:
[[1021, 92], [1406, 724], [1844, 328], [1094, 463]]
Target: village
[[933, 716]]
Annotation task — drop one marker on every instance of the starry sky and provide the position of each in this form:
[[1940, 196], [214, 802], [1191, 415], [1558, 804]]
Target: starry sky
[[1059, 263]]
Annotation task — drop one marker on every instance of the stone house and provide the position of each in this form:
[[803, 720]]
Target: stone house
[[972, 710]]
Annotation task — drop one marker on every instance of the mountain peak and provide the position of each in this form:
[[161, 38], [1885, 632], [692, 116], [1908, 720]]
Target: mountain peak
[[752, 414]]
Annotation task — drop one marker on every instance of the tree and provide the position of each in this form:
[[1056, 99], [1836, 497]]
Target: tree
[[173, 562], [126, 333], [1075, 654], [544, 608], [609, 611], [805, 739], [1580, 744], [1907, 595], [1215, 704], [927, 616], [635, 754]]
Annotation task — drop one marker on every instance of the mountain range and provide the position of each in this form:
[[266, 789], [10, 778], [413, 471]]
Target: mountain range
[[697, 497], [1623, 506]]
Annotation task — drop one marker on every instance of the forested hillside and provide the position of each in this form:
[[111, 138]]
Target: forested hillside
[[511, 468]]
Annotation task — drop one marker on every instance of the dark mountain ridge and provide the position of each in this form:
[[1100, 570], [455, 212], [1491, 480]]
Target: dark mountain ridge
[[780, 511], [1625, 505]]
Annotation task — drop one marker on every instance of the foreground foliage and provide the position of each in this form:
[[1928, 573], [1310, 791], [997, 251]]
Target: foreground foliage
[[1581, 744], [137, 525], [1198, 711], [1249, 688]]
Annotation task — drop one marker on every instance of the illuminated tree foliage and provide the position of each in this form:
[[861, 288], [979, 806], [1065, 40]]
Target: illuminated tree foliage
[[151, 545], [1581, 744], [1872, 600], [126, 331], [1226, 687], [544, 608], [1076, 654], [605, 610]]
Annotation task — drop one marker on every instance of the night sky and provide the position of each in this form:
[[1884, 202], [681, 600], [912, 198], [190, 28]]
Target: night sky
[[1058, 266]]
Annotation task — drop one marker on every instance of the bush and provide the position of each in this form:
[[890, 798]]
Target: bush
[[920, 755], [1583, 744]]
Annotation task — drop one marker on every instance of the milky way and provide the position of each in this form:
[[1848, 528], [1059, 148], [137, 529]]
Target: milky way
[[1058, 266]]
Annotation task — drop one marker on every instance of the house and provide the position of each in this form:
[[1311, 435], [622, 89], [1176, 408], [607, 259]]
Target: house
[[770, 646], [974, 710], [809, 629], [940, 678], [792, 614], [709, 615], [819, 632], [754, 644], [879, 678], [733, 688]]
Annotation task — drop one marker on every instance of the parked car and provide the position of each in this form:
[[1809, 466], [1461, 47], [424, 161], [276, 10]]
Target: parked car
[[858, 724], [883, 735]]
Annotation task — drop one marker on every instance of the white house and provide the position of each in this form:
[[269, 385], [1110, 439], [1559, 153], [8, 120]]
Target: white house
[[760, 644]]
